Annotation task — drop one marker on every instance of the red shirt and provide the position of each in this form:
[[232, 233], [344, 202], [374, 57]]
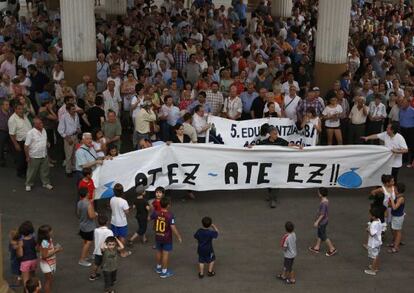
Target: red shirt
[[88, 184], [156, 204]]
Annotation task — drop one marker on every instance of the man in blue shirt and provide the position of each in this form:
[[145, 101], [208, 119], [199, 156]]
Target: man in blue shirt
[[247, 98], [241, 10], [407, 128], [201, 100]]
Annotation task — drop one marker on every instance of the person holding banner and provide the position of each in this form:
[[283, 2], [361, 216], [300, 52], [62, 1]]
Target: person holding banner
[[273, 139], [200, 123], [395, 142]]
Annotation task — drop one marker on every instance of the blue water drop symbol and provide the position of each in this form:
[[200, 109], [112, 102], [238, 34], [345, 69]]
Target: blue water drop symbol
[[109, 192], [350, 179]]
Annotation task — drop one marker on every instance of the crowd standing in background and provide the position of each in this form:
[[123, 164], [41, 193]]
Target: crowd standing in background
[[161, 71]]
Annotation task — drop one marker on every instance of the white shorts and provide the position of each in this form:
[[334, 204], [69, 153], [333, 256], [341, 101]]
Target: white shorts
[[397, 223], [373, 252], [46, 268]]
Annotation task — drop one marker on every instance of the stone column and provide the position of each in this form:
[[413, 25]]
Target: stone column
[[4, 287], [79, 39], [331, 41], [282, 8], [113, 8]]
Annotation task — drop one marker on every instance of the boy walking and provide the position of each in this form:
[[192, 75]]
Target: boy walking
[[110, 250], [288, 244], [205, 249], [100, 235], [374, 241], [142, 207], [321, 223], [164, 226]]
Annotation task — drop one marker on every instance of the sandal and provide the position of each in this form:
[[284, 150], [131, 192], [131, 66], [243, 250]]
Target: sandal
[[393, 250], [280, 276], [312, 249], [211, 274], [290, 281], [390, 245]]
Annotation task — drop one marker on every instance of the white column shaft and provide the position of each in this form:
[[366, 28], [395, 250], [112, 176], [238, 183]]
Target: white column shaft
[[333, 30], [116, 7], [282, 8], [78, 30]]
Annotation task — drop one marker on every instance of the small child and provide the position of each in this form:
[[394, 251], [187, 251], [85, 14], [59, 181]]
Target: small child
[[374, 241], [110, 250], [142, 208], [205, 249], [100, 235], [159, 194], [288, 244], [113, 151], [164, 226], [14, 260], [87, 182]]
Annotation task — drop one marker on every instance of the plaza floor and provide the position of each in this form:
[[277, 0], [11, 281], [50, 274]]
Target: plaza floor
[[248, 252]]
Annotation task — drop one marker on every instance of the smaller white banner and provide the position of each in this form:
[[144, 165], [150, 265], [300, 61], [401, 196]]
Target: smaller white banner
[[243, 133]]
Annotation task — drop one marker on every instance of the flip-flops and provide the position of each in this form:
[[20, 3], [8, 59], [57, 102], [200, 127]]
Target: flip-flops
[[312, 249]]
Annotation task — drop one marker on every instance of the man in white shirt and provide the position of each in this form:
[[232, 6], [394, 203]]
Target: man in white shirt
[[35, 148], [290, 82], [395, 142], [233, 106], [169, 114], [376, 114], [120, 209], [112, 99], [68, 128], [358, 117], [290, 103], [200, 123], [19, 125]]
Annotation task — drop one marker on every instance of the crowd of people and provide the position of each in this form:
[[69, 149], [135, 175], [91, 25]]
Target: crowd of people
[[161, 71]]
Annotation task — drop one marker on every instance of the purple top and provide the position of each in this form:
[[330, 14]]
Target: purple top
[[323, 210], [163, 220]]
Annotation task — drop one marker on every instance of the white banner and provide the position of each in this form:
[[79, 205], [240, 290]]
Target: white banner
[[219, 167], [243, 133]]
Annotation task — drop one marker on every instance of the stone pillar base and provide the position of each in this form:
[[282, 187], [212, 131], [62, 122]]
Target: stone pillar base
[[325, 75], [74, 71], [4, 288]]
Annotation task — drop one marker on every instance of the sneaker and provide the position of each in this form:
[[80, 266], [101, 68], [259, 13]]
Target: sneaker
[[28, 188], [48, 186], [331, 253], [167, 274], [158, 270], [94, 277], [370, 272], [200, 275], [84, 263], [370, 267]]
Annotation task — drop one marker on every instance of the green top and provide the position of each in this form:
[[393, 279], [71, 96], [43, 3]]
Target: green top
[[110, 260], [111, 130]]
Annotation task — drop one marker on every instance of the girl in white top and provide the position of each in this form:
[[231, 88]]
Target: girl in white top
[[331, 114], [387, 189], [99, 143], [311, 119]]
